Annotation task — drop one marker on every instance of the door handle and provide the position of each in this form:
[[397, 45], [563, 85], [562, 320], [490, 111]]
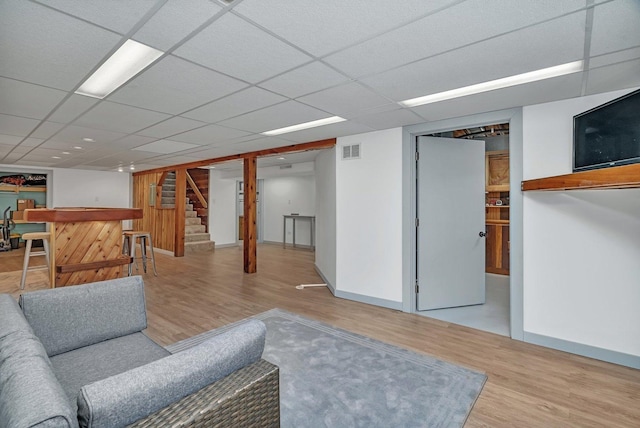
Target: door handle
[[482, 234]]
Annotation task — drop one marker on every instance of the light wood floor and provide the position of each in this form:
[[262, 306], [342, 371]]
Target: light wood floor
[[527, 386]]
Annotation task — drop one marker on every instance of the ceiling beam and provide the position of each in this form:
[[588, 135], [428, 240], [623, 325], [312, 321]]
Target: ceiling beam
[[302, 147]]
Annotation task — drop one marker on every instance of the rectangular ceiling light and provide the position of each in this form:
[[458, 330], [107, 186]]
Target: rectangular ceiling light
[[505, 82], [306, 125], [126, 62]]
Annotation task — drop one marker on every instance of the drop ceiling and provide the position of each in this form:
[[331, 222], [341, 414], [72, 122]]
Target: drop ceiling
[[232, 71]]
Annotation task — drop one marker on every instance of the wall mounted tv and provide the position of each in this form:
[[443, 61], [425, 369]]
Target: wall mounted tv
[[608, 135]]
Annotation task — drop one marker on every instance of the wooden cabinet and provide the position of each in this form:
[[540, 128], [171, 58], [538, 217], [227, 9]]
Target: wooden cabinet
[[497, 212]]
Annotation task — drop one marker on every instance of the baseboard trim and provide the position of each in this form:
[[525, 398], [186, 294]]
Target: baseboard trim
[[233, 244], [324, 278], [165, 252], [390, 304], [602, 354]]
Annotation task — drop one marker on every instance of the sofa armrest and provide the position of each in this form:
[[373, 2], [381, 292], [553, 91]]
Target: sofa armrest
[[249, 397], [129, 396], [72, 317]]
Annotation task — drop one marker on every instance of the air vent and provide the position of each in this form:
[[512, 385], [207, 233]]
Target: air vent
[[351, 152], [286, 166]]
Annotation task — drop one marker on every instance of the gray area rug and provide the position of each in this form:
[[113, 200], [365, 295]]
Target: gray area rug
[[333, 378]]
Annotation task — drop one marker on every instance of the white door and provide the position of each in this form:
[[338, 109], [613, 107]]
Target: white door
[[450, 235]]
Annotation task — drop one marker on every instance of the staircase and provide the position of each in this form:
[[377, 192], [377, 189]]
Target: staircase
[[196, 238], [168, 197]]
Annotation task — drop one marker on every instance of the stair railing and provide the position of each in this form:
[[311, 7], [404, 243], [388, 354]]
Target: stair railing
[[196, 190]]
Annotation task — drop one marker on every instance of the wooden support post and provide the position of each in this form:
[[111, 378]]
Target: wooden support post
[[250, 214], [181, 206]]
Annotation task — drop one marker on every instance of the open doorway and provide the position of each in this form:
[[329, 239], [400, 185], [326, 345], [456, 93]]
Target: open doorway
[[494, 314]]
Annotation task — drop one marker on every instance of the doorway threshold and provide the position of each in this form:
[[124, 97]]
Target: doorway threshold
[[492, 317]]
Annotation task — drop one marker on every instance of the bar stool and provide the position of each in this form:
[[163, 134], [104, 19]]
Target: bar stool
[[28, 239], [129, 248]]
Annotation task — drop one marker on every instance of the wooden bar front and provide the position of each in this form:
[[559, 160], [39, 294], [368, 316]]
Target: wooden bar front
[[85, 244]]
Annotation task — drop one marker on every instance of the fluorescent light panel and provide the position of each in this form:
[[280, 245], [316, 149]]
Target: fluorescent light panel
[[126, 62], [505, 82], [306, 125]]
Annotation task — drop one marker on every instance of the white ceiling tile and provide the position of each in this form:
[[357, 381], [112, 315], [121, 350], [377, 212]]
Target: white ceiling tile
[[254, 145], [40, 45], [615, 57], [543, 91], [344, 99], [305, 80], [34, 163], [615, 26], [120, 16], [72, 108], [340, 23], [5, 149], [27, 100], [175, 20], [47, 130], [173, 126], [389, 119], [434, 34], [131, 141], [11, 140], [514, 53], [19, 126], [119, 118], [75, 134], [340, 129], [274, 117], [166, 146], [208, 135], [173, 85], [617, 76], [31, 142], [247, 100], [232, 46]]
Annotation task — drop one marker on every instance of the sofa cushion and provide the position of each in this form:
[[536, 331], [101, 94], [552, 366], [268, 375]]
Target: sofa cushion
[[73, 317], [123, 399], [30, 394], [86, 365]]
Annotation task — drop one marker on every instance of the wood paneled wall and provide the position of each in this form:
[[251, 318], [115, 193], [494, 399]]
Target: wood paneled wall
[[161, 223]]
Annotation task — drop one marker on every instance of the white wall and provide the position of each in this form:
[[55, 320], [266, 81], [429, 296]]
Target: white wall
[[581, 248], [286, 195], [222, 209], [326, 215], [82, 188], [369, 216]]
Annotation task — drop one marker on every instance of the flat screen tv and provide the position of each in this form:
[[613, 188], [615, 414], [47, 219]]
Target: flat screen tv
[[608, 135]]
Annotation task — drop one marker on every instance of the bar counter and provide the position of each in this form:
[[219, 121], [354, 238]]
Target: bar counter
[[85, 243]]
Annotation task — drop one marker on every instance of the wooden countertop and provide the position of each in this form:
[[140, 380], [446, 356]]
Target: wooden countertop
[[76, 214]]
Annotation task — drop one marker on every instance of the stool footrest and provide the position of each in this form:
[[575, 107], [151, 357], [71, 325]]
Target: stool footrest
[[93, 265]]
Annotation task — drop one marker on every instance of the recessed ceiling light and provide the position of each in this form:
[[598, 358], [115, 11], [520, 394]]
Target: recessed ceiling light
[[505, 82], [126, 62], [66, 153], [306, 125], [132, 167], [56, 157], [281, 158], [88, 140], [120, 169], [77, 147]]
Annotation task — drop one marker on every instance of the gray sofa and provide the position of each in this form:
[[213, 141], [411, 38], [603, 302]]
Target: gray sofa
[[76, 356]]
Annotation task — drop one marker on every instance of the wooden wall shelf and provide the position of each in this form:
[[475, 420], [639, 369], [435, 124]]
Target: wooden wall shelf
[[18, 189], [617, 177]]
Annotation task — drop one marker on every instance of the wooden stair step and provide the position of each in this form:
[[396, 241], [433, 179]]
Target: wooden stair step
[[197, 237]]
